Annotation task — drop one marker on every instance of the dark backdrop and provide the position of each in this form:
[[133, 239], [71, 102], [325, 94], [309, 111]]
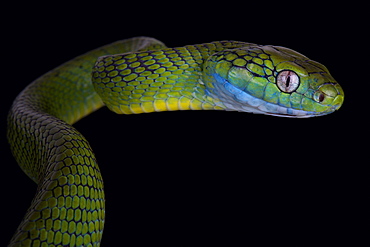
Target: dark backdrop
[[205, 178]]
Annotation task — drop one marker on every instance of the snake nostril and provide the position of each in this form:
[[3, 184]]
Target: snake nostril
[[321, 97]]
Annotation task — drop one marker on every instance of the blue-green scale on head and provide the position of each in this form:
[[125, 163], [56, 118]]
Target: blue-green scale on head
[[271, 80]]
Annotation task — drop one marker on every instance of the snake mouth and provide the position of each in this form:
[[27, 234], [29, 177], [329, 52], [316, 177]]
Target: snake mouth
[[306, 115], [292, 113]]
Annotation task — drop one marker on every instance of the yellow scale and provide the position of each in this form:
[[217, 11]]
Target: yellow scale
[[152, 82]]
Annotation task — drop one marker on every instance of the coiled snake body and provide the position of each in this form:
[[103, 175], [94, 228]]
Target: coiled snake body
[[145, 76]]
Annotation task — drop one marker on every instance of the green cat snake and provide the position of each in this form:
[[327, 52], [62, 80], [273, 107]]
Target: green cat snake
[[140, 75]]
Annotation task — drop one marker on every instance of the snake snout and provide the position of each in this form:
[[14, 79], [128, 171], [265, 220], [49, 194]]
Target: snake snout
[[338, 101]]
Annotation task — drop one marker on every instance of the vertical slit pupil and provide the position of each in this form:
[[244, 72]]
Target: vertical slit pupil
[[287, 81]]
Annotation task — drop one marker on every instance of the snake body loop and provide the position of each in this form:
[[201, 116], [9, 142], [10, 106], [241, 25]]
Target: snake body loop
[[135, 76]]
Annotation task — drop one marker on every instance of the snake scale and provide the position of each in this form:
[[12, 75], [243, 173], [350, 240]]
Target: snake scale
[[141, 75]]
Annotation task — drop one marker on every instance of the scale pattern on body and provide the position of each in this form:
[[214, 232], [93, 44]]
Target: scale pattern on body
[[141, 75]]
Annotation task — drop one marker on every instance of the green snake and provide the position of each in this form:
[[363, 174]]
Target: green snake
[[141, 75]]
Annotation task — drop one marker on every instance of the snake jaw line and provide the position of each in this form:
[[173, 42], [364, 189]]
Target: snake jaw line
[[235, 99]]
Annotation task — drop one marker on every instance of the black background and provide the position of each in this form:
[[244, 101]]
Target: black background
[[202, 178]]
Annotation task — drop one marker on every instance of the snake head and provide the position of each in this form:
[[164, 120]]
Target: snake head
[[271, 80]]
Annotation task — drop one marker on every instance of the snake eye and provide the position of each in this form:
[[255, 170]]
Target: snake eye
[[287, 81]]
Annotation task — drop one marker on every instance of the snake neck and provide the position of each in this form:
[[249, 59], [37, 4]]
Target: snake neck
[[45, 110], [159, 80], [57, 157]]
